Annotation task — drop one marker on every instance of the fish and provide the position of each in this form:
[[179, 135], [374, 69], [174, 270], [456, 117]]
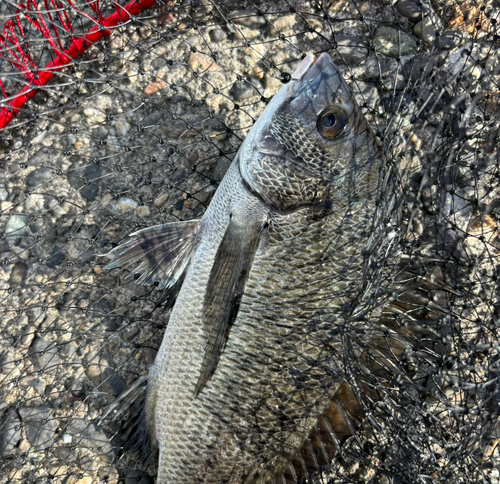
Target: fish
[[249, 384]]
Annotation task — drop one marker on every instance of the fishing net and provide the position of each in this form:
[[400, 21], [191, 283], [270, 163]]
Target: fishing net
[[117, 116]]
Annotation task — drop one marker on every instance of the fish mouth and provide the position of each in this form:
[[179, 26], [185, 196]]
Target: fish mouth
[[307, 62], [309, 70]]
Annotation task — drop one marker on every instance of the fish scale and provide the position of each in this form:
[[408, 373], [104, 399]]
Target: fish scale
[[248, 385]]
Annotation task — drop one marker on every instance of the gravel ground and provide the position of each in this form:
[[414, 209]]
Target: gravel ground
[[142, 131]]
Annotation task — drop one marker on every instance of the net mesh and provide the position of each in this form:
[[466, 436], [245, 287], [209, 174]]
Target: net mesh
[[119, 116]]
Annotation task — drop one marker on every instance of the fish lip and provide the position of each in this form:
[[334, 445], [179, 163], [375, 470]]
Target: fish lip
[[307, 62], [300, 76]]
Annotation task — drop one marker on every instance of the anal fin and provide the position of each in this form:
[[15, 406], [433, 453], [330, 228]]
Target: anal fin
[[129, 409]]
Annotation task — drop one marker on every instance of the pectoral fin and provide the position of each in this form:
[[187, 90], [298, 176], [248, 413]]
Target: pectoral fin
[[160, 254], [225, 289]]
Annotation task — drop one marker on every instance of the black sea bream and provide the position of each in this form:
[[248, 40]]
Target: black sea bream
[[244, 386]]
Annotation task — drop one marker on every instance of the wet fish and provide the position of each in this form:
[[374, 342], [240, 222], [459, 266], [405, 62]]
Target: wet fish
[[248, 385]]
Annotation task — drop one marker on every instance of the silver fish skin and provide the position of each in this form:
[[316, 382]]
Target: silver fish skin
[[251, 356]]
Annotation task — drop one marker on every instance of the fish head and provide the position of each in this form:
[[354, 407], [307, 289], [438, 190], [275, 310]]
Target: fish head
[[312, 145]]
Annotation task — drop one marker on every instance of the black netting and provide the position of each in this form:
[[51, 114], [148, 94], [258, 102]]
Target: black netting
[[138, 128]]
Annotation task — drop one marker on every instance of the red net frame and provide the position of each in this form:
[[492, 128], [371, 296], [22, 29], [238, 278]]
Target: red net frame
[[15, 50]]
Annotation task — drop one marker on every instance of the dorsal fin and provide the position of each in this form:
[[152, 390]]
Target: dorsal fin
[[159, 254]]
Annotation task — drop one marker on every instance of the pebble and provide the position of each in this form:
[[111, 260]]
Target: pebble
[[125, 204], [153, 118], [154, 87], [201, 62], [18, 274], [43, 155], [315, 24], [6, 363], [101, 370], [450, 39], [410, 9], [248, 18], [39, 386], [143, 211], [101, 308], [16, 225], [85, 433], [94, 116], [4, 194], [394, 43], [56, 258], [282, 25], [44, 354], [217, 35], [130, 332], [221, 167], [83, 179], [34, 202], [10, 434], [219, 103], [28, 336], [242, 91], [350, 50], [40, 426], [38, 177], [426, 30], [161, 200], [122, 127]]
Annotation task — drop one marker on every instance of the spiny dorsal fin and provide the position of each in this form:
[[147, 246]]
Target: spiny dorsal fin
[[162, 252]]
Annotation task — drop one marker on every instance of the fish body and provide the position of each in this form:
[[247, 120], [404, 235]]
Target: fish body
[[251, 357]]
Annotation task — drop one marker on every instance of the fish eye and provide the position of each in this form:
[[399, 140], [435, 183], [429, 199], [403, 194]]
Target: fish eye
[[331, 122]]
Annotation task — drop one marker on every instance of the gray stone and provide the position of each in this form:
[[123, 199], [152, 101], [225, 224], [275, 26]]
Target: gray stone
[[85, 434], [28, 336], [40, 426], [394, 43], [426, 30], [16, 225], [42, 156], [56, 258], [153, 118], [69, 349], [242, 91], [44, 354], [6, 363], [350, 50], [4, 194], [130, 332], [18, 274], [282, 25], [221, 167], [39, 386], [125, 204], [367, 94], [410, 9], [10, 433], [248, 19], [122, 127], [112, 383], [38, 177], [217, 35], [83, 178], [138, 477], [101, 308], [451, 39]]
